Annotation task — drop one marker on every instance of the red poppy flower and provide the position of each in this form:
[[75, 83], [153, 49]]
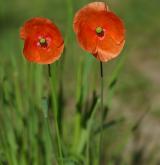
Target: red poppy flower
[[99, 31], [43, 41]]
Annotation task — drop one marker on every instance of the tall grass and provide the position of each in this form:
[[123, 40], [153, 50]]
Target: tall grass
[[38, 112]]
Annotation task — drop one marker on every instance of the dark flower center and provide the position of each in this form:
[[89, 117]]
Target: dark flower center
[[43, 42], [100, 31]]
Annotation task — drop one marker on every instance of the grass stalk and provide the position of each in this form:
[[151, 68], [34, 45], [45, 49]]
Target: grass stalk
[[45, 107], [85, 133], [55, 110]]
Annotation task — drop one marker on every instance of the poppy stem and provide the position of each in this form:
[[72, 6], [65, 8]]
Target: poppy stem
[[49, 70], [101, 69], [101, 118]]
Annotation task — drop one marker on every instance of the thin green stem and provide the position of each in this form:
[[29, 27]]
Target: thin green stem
[[54, 100], [77, 131], [59, 142], [101, 132], [49, 70]]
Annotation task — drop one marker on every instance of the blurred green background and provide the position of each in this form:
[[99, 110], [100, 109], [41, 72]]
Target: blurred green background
[[135, 98]]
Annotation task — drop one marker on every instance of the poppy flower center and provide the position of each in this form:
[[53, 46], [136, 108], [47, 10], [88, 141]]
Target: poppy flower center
[[43, 42], [100, 31]]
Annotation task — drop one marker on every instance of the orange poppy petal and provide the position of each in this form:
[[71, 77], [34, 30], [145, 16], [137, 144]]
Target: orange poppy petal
[[34, 53], [110, 23], [43, 41], [44, 31], [32, 24], [107, 20], [41, 25], [114, 26], [87, 38], [88, 11], [102, 33], [108, 49]]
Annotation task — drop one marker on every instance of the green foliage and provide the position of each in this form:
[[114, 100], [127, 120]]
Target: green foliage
[[56, 121]]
